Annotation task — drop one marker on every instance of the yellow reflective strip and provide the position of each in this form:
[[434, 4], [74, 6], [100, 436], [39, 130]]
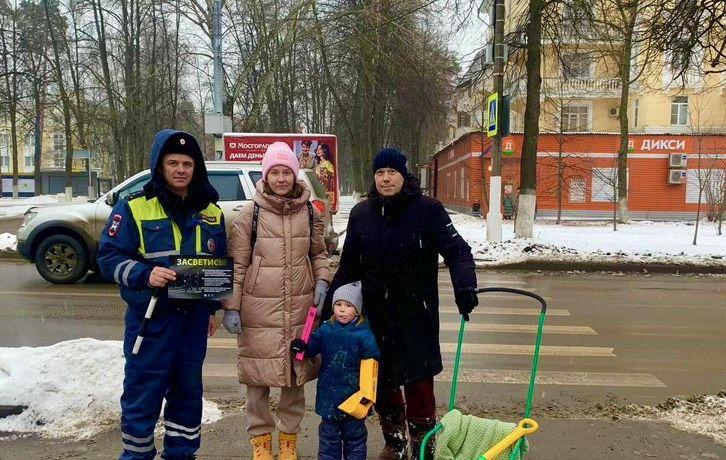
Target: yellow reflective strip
[[177, 236], [199, 239]]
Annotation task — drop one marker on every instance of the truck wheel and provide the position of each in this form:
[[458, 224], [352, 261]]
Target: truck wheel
[[61, 259]]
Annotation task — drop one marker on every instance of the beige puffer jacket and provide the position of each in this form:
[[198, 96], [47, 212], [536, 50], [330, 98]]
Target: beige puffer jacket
[[274, 286]]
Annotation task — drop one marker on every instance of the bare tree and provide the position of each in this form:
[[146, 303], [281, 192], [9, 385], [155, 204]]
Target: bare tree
[[528, 179], [10, 72]]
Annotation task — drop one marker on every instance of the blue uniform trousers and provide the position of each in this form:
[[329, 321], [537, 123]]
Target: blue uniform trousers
[[342, 439], [168, 365]]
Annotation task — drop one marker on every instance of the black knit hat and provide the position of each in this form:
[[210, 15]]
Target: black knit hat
[[181, 142], [390, 157]]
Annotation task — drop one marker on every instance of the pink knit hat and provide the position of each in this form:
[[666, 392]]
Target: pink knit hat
[[279, 154]]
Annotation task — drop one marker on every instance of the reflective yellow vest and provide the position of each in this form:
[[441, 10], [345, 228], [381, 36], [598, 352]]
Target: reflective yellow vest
[[160, 236]]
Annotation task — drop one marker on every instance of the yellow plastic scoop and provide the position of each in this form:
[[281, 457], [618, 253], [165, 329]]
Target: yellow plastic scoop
[[526, 427]]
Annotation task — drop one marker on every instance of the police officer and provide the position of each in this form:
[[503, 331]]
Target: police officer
[[174, 214]]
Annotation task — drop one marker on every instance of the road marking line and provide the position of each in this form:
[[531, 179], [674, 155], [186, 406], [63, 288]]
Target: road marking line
[[60, 293], [516, 311], [606, 379], [528, 350], [219, 370], [499, 376], [518, 328], [222, 343], [483, 349], [445, 283], [496, 296]]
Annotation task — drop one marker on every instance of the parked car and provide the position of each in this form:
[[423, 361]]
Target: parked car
[[63, 240]]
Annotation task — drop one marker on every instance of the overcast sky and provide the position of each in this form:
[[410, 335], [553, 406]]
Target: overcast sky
[[465, 41]]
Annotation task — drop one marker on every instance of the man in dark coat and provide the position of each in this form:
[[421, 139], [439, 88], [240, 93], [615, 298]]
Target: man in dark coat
[[392, 244]]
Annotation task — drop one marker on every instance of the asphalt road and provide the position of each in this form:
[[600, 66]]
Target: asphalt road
[[609, 340]]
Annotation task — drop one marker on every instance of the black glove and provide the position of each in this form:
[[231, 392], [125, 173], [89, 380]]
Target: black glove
[[297, 346], [466, 300]]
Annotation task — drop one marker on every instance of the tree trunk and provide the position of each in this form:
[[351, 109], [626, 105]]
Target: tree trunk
[[120, 163], [65, 103], [38, 131], [528, 182], [624, 68]]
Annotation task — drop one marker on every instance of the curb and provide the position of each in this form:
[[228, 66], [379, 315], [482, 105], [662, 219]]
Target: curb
[[614, 266]]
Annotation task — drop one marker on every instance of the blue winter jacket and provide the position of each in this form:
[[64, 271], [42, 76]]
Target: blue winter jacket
[[119, 258], [342, 347]]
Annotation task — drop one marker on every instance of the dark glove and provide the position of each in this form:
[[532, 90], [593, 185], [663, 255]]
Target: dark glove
[[466, 300], [297, 346]]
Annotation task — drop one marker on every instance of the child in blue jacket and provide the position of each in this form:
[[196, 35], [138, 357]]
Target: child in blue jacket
[[343, 341]]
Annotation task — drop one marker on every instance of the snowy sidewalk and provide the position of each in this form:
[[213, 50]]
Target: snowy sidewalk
[[639, 243], [577, 245]]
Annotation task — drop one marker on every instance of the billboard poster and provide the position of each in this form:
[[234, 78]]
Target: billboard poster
[[316, 152]]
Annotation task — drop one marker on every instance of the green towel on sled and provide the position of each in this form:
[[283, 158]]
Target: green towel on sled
[[465, 437]]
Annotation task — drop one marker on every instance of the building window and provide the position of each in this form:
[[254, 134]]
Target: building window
[[577, 190], [577, 12], [59, 150], [29, 161], [5, 150], [576, 118], [463, 120], [636, 110], [679, 59], [605, 184], [455, 181], [679, 111], [709, 182], [59, 142], [462, 191], [577, 66]]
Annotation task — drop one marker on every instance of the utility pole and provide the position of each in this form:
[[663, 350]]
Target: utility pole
[[494, 215], [217, 53], [214, 122]]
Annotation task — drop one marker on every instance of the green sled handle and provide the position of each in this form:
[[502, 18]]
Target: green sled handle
[[457, 359]]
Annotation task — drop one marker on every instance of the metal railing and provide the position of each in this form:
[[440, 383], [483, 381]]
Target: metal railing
[[572, 87]]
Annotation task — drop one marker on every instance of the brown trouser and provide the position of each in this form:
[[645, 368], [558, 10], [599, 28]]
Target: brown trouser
[[290, 410]]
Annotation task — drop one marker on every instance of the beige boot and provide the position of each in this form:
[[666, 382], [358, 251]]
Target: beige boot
[[262, 447], [288, 447]]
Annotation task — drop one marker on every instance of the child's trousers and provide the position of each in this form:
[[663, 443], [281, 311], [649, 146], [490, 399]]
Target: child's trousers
[[342, 439]]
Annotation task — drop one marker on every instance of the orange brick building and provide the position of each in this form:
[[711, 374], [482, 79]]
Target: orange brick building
[[665, 173]]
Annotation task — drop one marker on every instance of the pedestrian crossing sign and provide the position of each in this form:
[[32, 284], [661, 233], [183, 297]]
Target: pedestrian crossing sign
[[492, 114]]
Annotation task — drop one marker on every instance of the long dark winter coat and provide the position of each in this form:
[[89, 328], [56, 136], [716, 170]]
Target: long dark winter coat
[[392, 245]]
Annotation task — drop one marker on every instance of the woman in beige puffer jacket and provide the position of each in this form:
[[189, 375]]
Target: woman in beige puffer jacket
[[274, 286]]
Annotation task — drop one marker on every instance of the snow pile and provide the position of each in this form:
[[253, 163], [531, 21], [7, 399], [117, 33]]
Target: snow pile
[[8, 242], [71, 388], [638, 242], [697, 414]]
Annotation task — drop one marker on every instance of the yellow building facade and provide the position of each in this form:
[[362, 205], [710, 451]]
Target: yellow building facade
[[52, 155], [581, 89]]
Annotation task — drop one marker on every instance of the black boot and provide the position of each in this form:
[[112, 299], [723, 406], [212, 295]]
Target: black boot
[[418, 430], [394, 432]]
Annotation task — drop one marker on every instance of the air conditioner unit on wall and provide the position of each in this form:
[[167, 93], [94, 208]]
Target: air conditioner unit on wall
[[614, 112], [676, 176], [677, 160]]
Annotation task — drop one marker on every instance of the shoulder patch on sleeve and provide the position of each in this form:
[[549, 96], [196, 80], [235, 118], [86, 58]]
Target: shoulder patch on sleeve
[[115, 224]]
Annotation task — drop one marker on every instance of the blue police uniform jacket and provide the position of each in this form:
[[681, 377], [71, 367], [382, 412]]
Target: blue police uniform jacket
[[148, 227], [342, 347]]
